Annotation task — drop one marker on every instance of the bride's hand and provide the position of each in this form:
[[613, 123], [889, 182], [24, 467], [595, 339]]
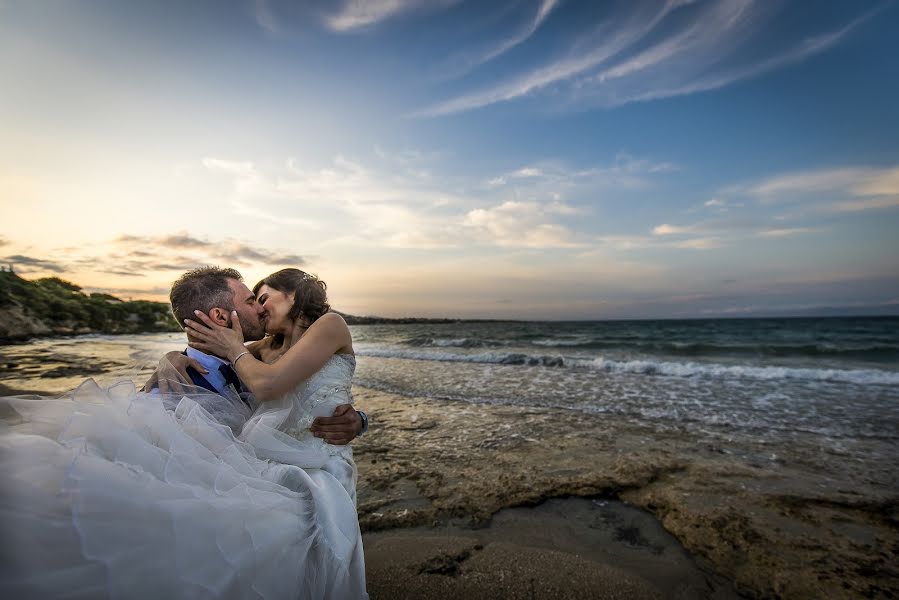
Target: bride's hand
[[212, 338]]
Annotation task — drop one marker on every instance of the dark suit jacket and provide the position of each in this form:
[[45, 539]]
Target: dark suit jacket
[[197, 378]]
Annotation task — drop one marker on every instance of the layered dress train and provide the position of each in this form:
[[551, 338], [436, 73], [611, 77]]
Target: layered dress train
[[110, 492]]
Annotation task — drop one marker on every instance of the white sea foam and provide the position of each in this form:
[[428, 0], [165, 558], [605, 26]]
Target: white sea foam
[[649, 367], [691, 369], [559, 343], [457, 342]]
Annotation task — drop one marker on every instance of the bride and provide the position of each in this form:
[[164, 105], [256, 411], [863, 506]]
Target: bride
[[117, 493]]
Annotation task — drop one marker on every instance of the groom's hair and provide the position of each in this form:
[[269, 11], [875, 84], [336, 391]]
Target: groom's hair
[[202, 289]]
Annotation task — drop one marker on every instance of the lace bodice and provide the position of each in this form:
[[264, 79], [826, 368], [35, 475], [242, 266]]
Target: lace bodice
[[318, 396], [279, 429]]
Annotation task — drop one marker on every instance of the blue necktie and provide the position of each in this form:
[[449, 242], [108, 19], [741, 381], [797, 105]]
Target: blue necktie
[[231, 377]]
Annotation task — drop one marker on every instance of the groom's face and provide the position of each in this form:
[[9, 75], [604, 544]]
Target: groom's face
[[252, 315]]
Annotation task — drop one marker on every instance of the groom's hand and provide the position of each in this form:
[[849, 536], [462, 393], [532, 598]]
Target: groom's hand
[[171, 364], [340, 428]]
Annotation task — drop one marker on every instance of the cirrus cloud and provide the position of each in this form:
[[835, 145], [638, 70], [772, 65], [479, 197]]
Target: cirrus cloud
[[650, 50]]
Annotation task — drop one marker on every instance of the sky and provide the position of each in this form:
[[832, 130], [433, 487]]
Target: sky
[[543, 159]]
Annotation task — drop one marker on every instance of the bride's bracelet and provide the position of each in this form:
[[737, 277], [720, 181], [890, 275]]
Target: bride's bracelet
[[238, 357]]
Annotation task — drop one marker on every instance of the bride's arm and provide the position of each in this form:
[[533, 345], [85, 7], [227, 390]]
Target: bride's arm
[[324, 338], [257, 346]]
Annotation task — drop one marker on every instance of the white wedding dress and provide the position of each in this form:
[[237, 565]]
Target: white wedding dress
[[120, 494]]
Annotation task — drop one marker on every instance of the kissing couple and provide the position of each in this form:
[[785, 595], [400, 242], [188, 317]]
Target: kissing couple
[[218, 481]]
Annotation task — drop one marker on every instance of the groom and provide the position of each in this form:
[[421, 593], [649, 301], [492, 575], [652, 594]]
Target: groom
[[216, 292]]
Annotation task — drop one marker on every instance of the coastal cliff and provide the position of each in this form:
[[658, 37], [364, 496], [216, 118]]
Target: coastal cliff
[[53, 306]]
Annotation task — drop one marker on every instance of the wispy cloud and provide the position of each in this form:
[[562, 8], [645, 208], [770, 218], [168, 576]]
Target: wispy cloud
[[615, 36], [718, 75], [867, 188], [715, 231], [181, 241], [29, 264], [372, 206], [174, 241], [882, 182], [666, 229], [699, 244], [783, 186], [679, 232], [543, 10], [401, 208], [717, 204], [754, 210], [181, 251], [463, 64], [160, 293], [246, 210], [700, 50], [264, 16], [150, 258], [659, 241], [788, 232], [625, 172], [359, 14], [521, 224], [863, 205]]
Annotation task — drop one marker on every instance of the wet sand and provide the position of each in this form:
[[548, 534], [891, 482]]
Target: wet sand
[[753, 525], [480, 501], [563, 548]]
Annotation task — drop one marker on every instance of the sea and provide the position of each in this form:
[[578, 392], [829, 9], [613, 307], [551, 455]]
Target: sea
[[765, 380]]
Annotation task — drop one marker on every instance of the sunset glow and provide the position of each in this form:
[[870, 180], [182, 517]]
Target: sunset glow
[[543, 159]]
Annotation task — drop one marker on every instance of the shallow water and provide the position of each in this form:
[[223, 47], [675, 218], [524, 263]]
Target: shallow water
[[833, 383], [58, 365]]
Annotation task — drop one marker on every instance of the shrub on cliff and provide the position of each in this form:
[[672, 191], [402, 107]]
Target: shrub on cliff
[[64, 308]]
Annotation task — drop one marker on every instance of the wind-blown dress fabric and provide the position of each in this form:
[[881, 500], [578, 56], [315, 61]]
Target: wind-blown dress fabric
[[120, 494]]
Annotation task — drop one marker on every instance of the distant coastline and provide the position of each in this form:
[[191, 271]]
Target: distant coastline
[[354, 320], [54, 307]]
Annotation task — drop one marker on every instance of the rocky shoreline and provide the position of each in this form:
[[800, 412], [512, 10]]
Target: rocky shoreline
[[772, 529]]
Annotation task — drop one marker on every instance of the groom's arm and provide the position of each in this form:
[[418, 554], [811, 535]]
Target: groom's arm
[[173, 363], [342, 427]]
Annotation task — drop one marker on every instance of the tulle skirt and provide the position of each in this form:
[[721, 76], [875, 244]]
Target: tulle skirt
[[106, 493]]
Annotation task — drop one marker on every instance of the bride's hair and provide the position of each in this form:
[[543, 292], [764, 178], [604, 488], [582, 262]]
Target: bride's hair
[[202, 289], [310, 298]]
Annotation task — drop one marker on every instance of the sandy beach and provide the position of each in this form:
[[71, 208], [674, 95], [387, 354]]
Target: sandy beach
[[437, 480]]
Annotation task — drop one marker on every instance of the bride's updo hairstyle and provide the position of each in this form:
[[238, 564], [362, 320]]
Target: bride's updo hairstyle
[[310, 298]]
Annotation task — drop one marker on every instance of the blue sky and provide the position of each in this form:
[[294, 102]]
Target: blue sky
[[544, 159]]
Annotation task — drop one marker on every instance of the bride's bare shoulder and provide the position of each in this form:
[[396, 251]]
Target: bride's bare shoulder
[[334, 327], [331, 320]]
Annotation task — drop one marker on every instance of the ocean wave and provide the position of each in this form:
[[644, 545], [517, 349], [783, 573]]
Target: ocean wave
[[692, 369], [876, 352], [873, 352], [650, 367], [424, 341]]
